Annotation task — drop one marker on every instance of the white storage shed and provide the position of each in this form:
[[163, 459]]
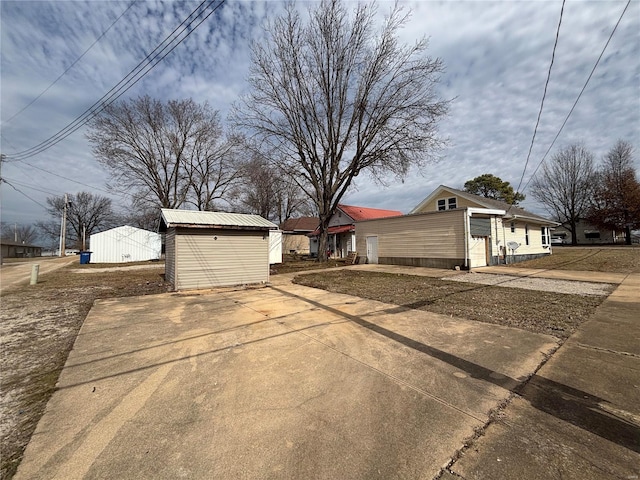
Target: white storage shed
[[213, 249], [125, 244]]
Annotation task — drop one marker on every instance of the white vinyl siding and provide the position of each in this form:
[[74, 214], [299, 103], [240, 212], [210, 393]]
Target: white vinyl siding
[[213, 258], [534, 246]]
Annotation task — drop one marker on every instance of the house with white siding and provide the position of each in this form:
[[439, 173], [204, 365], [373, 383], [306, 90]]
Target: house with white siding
[[452, 228], [213, 249]]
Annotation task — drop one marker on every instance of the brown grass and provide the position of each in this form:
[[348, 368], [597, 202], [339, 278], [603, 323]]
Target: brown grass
[[541, 312]]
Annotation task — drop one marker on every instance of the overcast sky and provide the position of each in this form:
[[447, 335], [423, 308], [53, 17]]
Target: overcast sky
[[496, 56]]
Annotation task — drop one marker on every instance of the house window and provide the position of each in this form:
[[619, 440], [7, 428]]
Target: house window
[[526, 234], [447, 203], [591, 234], [513, 227], [545, 236]]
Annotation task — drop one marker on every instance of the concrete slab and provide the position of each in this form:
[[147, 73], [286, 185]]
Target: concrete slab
[[579, 416], [280, 382], [12, 274], [528, 443], [583, 276]]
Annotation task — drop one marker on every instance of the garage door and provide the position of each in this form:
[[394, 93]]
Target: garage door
[[206, 259], [478, 252]]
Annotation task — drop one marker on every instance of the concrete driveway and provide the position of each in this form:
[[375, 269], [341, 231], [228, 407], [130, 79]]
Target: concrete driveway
[[16, 273], [278, 382]]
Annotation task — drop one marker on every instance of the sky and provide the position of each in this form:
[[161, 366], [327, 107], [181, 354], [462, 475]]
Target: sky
[[496, 56]]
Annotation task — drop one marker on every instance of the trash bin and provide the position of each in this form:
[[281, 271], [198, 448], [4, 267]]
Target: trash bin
[[85, 257]]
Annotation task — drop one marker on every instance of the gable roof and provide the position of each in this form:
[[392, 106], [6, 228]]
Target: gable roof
[[221, 220], [302, 224], [512, 211], [362, 213]]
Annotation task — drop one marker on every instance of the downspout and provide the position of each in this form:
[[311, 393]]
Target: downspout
[[467, 228], [504, 242]]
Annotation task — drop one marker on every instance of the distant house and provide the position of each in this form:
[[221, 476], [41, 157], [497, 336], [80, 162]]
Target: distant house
[[11, 249], [213, 249], [295, 233], [342, 228], [586, 234], [125, 244], [453, 228]]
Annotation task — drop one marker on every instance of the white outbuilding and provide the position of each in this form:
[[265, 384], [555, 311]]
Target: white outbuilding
[[213, 249], [125, 244]]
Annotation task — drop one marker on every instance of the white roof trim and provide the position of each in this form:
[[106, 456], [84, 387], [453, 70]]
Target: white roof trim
[[485, 211]]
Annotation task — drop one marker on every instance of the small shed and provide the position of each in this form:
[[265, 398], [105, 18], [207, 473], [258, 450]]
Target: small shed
[[125, 244], [213, 249]]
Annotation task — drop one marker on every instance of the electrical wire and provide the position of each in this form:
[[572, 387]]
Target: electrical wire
[[64, 178], [579, 95], [544, 94], [20, 191], [70, 66], [26, 185], [148, 63]]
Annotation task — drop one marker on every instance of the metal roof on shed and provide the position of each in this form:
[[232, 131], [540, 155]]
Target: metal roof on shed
[[186, 218]]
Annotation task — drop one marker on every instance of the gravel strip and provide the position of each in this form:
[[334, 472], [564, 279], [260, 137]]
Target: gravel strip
[[531, 283]]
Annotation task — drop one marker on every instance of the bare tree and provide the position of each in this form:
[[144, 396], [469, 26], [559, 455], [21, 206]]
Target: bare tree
[[17, 232], [214, 170], [164, 154], [335, 97], [565, 186], [267, 192], [616, 199], [86, 213]]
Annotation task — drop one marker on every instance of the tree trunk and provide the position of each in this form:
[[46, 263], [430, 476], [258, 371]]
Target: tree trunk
[[574, 233], [323, 238], [627, 234]]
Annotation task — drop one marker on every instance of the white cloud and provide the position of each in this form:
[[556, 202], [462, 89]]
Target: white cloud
[[496, 55]]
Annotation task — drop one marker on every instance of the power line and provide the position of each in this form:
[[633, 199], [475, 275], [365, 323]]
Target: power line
[[579, 95], [20, 191], [63, 177], [544, 94], [48, 192], [148, 63], [70, 66]]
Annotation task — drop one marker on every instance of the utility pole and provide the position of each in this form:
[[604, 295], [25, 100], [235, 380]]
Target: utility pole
[[63, 228]]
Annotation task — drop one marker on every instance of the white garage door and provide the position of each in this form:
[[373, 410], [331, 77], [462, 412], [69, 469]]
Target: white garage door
[[478, 252]]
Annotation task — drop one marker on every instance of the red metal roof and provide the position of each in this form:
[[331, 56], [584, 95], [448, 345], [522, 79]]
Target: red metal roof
[[342, 229], [362, 213]]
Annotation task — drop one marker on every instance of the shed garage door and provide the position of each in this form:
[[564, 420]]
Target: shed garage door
[[478, 252], [218, 258]]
